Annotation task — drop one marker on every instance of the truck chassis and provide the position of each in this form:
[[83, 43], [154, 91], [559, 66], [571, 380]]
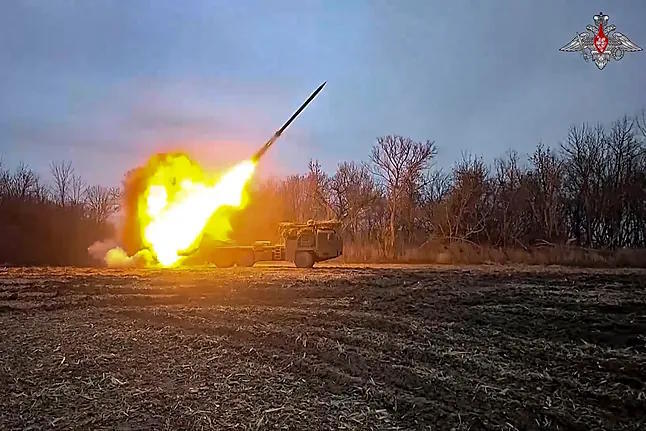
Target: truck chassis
[[304, 244]]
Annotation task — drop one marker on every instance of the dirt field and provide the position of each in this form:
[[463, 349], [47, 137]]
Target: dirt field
[[329, 348]]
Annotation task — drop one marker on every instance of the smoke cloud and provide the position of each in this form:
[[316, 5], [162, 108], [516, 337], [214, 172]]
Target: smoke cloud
[[110, 253], [117, 258], [99, 249]]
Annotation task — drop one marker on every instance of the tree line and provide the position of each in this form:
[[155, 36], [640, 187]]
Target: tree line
[[52, 221], [590, 192]]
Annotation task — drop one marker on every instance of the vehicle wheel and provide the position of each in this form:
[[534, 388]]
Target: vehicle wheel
[[304, 259], [246, 259], [223, 263]]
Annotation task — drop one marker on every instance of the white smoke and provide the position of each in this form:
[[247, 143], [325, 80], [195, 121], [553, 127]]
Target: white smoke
[[113, 256], [99, 249]]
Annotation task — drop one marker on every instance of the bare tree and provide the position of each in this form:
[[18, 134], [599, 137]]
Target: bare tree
[[101, 202], [317, 190], [465, 213], [76, 190], [352, 192], [623, 196], [62, 172], [41, 192], [640, 120], [293, 193], [604, 196], [436, 187], [5, 181], [584, 153], [510, 223], [546, 198], [398, 163], [24, 181]]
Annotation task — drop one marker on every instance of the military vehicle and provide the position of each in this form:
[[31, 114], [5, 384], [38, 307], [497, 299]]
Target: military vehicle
[[301, 243], [304, 244]]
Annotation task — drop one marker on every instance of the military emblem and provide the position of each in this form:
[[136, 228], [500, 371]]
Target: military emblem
[[601, 43]]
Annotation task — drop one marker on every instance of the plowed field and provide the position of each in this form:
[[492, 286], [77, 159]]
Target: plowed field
[[336, 347]]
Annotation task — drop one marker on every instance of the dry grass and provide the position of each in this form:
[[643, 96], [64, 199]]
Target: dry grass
[[468, 253]]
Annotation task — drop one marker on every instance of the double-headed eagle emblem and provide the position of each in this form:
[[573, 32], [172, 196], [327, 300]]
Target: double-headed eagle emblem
[[601, 43]]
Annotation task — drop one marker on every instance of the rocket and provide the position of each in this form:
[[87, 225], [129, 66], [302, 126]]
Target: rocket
[[279, 132]]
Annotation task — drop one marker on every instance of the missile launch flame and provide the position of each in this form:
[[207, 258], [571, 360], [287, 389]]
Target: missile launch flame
[[179, 201]]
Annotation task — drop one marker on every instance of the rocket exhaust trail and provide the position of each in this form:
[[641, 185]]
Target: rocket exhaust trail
[[276, 135]]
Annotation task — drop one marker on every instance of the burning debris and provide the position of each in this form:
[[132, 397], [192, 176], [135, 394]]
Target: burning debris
[[170, 203]]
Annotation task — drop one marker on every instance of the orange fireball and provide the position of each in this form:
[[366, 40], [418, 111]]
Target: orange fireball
[[179, 200]]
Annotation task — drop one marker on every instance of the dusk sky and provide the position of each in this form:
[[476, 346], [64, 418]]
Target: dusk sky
[[107, 83]]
